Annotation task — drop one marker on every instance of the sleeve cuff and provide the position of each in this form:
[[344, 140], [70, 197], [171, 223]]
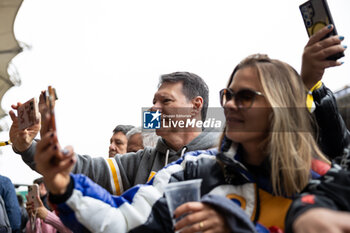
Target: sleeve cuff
[[310, 99], [25, 151], [318, 85]]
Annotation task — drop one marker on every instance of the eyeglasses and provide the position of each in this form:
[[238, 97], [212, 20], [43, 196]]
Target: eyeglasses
[[244, 98]]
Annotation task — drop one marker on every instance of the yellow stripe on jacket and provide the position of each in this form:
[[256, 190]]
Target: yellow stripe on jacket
[[310, 99], [115, 177]]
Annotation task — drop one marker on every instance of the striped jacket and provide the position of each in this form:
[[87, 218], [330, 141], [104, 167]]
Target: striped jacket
[[143, 207]]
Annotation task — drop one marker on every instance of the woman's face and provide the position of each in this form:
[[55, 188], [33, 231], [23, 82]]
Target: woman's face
[[252, 124]]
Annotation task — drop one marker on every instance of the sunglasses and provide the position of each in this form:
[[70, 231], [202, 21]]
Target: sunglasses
[[244, 98]]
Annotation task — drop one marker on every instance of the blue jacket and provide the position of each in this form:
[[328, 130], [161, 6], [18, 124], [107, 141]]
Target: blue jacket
[[7, 192]]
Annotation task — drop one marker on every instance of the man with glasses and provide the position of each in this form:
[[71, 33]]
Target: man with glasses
[[179, 92]]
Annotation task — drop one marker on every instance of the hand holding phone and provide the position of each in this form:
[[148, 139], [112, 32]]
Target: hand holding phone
[[28, 114], [316, 15], [33, 193]]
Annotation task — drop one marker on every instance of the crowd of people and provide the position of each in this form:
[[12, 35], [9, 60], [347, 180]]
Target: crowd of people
[[280, 164]]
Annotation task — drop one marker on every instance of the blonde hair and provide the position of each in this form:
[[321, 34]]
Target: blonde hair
[[290, 143]]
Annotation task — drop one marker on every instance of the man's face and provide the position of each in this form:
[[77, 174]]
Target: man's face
[[118, 144], [135, 143], [170, 100]]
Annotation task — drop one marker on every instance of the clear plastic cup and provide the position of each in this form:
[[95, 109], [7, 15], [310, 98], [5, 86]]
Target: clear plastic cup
[[178, 193]]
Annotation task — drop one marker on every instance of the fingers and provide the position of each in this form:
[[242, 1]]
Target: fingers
[[197, 212], [329, 63], [15, 107], [320, 35], [201, 218], [332, 40], [47, 151], [50, 159], [194, 222], [65, 165], [206, 226], [46, 141], [64, 160], [38, 119], [42, 97], [331, 51], [29, 204], [188, 207], [29, 207], [45, 122], [201, 221], [327, 47], [13, 116], [39, 201], [42, 102]]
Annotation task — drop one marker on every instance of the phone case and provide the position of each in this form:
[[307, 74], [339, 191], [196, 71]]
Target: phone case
[[27, 114], [33, 191], [316, 15]]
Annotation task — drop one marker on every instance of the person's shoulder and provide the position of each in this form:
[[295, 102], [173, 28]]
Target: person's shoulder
[[148, 151], [5, 179]]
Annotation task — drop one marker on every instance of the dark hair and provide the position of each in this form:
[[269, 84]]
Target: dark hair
[[38, 181], [20, 199], [192, 86], [122, 128]]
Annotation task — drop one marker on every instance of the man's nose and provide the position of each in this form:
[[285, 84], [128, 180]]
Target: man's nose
[[156, 107], [112, 146]]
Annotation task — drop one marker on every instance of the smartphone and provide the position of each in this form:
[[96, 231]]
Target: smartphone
[[33, 192], [316, 15], [28, 114]]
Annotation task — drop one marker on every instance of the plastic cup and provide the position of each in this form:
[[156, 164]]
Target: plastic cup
[[178, 193]]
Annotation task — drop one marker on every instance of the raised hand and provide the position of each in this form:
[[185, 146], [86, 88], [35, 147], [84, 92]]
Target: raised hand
[[53, 163], [316, 51], [22, 139], [41, 211]]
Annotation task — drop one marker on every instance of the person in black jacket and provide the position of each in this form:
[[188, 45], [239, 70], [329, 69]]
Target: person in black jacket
[[333, 136], [324, 204]]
